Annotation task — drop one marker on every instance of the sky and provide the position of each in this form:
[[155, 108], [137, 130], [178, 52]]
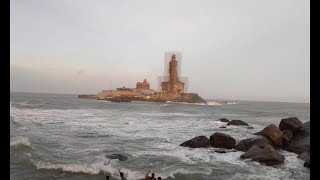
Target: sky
[[231, 49]]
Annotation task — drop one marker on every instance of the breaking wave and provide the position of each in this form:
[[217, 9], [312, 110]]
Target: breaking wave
[[20, 143]]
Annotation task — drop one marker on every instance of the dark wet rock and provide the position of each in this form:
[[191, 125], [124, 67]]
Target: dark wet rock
[[223, 120], [220, 151], [249, 127], [264, 154], [274, 134], [291, 124], [307, 164], [121, 157], [237, 123], [300, 142], [258, 133], [221, 140], [304, 156], [287, 135], [197, 142], [223, 127], [298, 146], [246, 144]]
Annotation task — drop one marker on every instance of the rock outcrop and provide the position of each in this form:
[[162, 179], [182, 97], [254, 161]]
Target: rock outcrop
[[237, 123], [287, 135], [307, 164], [197, 142], [223, 120], [246, 144], [121, 157], [291, 124], [221, 140], [304, 156], [300, 141], [274, 134], [88, 96], [264, 154]]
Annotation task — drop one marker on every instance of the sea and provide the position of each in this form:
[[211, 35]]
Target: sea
[[56, 136]]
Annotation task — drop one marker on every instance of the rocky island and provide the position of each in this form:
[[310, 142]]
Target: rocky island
[[172, 88]]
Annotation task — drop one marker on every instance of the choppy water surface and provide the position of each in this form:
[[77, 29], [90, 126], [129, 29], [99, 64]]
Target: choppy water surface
[[63, 137]]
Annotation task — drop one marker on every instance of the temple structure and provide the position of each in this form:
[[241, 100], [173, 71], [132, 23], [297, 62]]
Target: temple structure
[[173, 86], [143, 85]]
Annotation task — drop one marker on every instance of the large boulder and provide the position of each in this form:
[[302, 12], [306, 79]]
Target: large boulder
[[274, 134], [246, 144], [221, 140], [307, 164], [223, 120], [298, 146], [291, 123], [300, 142], [264, 154], [197, 142], [237, 123], [287, 135], [304, 156]]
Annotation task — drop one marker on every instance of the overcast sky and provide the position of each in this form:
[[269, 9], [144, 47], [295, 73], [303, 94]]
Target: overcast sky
[[231, 49]]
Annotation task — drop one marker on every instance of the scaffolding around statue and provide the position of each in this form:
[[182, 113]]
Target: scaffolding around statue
[[172, 82]]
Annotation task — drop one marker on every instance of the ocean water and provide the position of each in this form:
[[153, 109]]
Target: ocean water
[[63, 137]]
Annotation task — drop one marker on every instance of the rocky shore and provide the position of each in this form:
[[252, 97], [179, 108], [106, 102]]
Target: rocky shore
[[187, 98], [291, 135]]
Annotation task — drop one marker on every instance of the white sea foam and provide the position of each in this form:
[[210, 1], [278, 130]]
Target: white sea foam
[[94, 168], [214, 104], [20, 141]]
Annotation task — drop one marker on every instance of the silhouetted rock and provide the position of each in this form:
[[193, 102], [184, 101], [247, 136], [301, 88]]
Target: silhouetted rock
[[222, 140], [307, 164], [121, 157], [223, 120], [197, 142], [246, 144], [237, 123], [287, 135], [300, 142], [223, 127], [264, 154], [291, 123], [249, 127], [274, 134]]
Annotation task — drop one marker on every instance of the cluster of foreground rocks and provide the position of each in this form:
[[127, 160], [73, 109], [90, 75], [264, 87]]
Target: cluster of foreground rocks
[[291, 135]]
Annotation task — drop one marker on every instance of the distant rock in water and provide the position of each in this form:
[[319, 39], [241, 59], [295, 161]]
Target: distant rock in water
[[86, 96], [223, 120], [188, 98], [223, 127], [291, 124], [197, 142], [237, 123], [246, 144], [264, 154], [221, 140], [274, 134], [121, 157]]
